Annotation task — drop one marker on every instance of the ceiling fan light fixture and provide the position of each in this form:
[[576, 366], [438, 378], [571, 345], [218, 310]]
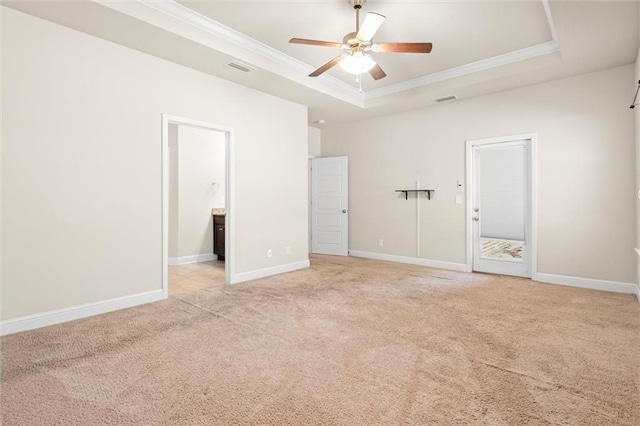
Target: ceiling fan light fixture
[[354, 61], [357, 63]]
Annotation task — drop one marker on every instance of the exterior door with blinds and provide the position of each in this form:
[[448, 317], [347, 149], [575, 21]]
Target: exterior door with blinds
[[501, 207]]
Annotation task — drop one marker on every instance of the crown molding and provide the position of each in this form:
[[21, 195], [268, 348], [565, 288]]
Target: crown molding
[[482, 65], [552, 27], [220, 31]]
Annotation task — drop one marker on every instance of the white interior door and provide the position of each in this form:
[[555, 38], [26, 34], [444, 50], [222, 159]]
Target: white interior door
[[329, 206], [501, 205]]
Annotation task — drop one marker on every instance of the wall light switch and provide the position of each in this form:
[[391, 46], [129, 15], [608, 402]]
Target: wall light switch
[[458, 199], [459, 184], [380, 243]]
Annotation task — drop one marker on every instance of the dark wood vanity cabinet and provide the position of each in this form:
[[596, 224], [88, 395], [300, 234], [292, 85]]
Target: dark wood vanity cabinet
[[218, 236]]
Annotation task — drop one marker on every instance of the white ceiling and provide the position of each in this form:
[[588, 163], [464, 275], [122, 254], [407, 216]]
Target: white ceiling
[[461, 32], [479, 46]]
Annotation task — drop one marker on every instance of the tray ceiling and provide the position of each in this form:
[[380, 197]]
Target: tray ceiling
[[480, 47], [462, 33]]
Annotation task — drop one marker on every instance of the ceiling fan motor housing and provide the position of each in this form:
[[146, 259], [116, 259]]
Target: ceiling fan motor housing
[[357, 4], [350, 39]]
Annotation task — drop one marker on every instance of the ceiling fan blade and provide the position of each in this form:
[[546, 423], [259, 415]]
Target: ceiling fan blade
[[316, 42], [403, 47], [327, 66], [370, 25], [377, 73]]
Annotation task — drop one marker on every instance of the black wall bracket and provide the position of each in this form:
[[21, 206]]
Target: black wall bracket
[[407, 191], [635, 98]]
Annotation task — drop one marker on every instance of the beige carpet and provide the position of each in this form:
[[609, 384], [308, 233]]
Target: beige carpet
[[348, 341]]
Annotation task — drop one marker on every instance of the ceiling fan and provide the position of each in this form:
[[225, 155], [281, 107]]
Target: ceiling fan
[[358, 44]]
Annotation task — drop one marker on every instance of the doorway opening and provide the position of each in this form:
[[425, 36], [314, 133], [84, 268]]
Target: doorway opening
[[501, 205], [197, 205]]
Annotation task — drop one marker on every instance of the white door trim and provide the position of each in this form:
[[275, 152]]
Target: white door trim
[[229, 270], [533, 137]]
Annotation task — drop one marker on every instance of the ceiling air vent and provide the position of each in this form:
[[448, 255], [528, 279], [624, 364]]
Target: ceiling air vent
[[446, 98], [241, 66]]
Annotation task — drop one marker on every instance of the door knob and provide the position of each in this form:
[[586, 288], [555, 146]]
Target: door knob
[[476, 210], [344, 210], [476, 218]]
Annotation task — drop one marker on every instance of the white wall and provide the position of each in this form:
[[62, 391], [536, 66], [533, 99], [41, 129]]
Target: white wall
[[82, 166], [586, 219], [314, 136], [1, 161], [637, 189], [174, 201], [201, 159]]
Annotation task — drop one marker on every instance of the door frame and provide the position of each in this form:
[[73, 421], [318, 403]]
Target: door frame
[[469, 180], [229, 270]]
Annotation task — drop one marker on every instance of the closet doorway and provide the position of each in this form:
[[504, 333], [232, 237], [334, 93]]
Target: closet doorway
[[197, 199]]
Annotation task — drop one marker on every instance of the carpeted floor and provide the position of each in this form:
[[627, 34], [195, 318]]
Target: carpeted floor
[[349, 341]]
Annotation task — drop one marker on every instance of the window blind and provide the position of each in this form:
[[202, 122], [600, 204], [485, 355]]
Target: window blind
[[502, 192]]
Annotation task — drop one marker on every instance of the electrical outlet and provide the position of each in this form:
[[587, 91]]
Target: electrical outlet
[[287, 250], [380, 243], [269, 253]]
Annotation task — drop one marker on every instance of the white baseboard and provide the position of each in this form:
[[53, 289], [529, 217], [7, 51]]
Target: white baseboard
[[185, 260], [612, 286], [267, 272], [462, 267], [58, 316]]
